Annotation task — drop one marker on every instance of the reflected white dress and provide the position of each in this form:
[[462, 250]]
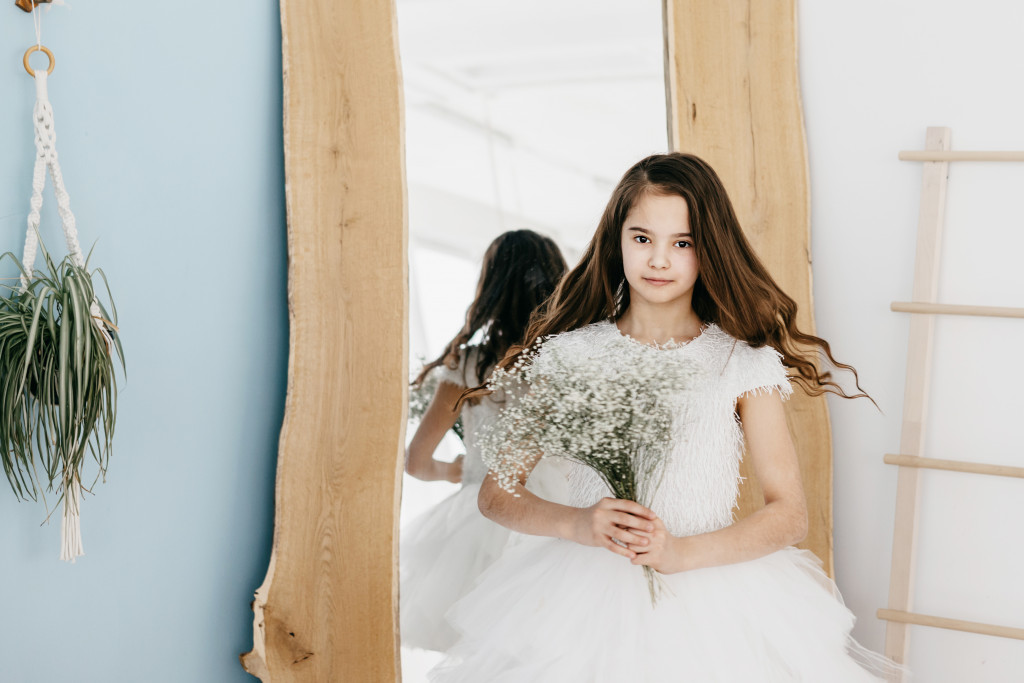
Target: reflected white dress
[[444, 550], [550, 610]]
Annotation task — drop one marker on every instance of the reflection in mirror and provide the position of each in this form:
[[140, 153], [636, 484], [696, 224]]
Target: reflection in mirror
[[517, 116]]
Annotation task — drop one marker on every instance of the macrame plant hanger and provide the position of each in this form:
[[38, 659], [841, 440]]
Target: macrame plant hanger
[[46, 160]]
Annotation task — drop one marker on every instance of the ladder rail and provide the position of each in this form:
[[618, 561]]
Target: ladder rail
[[931, 217], [895, 616], [956, 309], [904, 460]]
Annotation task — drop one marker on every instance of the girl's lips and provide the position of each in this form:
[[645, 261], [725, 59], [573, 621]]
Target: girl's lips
[[656, 282]]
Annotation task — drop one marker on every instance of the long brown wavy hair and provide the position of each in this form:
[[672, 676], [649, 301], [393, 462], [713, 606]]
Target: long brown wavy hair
[[733, 288], [521, 269]]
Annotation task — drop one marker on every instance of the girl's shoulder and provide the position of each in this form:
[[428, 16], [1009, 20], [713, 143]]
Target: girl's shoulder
[[556, 352], [747, 369], [460, 371], [580, 339]]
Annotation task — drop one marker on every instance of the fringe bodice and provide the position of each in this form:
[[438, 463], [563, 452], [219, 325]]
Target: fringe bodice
[[701, 478]]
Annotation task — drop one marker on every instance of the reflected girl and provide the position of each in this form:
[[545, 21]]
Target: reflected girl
[[445, 549]]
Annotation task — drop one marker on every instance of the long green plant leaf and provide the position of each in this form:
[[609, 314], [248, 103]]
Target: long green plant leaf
[[58, 390]]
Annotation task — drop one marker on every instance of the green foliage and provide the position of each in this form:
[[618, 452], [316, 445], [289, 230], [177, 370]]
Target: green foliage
[[58, 394]]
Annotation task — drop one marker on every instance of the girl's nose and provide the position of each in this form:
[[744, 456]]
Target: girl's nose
[[658, 260]]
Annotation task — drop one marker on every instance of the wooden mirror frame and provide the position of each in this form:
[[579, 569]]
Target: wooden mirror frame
[[734, 100], [328, 608]]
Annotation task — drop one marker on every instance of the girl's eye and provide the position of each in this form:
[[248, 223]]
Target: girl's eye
[[684, 243], [637, 238]]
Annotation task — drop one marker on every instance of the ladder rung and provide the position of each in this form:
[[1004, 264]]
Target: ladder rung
[[916, 155], [957, 309], [953, 465], [951, 624]]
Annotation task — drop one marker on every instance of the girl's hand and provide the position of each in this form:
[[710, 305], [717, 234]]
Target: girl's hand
[[660, 550], [610, 520]]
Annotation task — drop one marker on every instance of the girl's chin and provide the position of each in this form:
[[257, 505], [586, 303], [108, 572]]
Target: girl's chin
[[658, 296]]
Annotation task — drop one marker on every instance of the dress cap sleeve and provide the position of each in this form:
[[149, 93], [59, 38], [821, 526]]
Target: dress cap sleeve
[[756, 371], [462, 376]]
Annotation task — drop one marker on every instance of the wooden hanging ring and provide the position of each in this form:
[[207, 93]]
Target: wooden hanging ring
[[38, 48], [28, 5]]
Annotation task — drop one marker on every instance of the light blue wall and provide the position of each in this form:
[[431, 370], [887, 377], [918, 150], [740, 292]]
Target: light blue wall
[[168, 118]]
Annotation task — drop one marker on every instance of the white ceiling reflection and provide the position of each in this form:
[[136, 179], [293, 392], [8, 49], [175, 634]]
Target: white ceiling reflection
[[525, 114]]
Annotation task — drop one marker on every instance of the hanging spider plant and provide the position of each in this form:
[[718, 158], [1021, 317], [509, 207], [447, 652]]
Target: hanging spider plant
[[58, 394]]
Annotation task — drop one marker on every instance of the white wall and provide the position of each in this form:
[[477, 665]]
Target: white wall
[[874, 76]]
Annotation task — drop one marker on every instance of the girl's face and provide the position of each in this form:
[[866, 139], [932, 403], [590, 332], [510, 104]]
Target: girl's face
[[657, 251]]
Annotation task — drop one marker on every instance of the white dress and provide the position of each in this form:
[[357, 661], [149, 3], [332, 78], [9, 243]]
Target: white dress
[[551, 610], [444, 550]]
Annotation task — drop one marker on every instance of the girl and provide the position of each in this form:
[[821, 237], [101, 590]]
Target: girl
[[445, 549], [669, 268]]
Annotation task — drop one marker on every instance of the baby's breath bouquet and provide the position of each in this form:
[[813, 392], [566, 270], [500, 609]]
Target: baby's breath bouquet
[[611, 408], [421, 396]]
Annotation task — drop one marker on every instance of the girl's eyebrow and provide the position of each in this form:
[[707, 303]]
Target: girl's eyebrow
[[647, 232]]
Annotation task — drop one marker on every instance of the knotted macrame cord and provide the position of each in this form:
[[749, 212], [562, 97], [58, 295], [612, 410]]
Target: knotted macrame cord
[[46, 159]]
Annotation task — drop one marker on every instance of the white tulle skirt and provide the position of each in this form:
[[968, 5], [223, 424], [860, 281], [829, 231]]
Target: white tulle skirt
[[442, 553], [553, 611]]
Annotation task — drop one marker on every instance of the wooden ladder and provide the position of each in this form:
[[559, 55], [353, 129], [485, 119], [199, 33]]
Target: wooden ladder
[[899, 614]]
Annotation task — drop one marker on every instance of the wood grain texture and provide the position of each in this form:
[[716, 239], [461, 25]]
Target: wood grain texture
[[327, 610], [734, 100]]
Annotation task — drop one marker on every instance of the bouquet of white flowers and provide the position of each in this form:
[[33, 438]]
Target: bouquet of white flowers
[[609, 408]]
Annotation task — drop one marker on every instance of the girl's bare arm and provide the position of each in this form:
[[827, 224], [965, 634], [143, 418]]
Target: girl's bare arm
[[608, 519], [780, 523], [437, 420]]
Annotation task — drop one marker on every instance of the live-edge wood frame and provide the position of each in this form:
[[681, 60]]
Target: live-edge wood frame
[[327, 610]]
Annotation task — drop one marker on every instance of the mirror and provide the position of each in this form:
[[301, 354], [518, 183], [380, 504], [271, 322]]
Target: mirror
[[516, 116]]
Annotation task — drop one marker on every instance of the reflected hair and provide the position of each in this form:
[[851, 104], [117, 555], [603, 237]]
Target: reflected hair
[[521, 269], [733, 288]]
